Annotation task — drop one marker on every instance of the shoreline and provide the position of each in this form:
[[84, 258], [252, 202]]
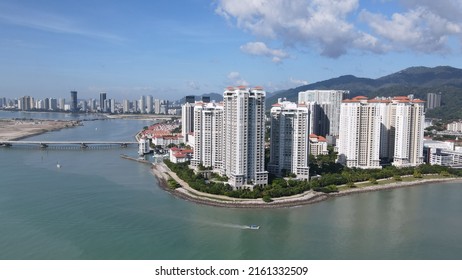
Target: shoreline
[[140, 117], [12, 130], [162, 173]]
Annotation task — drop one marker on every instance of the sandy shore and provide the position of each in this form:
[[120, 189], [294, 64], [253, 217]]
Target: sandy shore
[[141, 117], [163, 173], [18, 129]]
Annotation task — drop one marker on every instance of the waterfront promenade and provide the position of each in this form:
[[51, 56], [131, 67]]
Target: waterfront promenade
[[163, 173]]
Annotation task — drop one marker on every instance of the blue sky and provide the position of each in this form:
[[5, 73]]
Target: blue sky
[[169, 49]]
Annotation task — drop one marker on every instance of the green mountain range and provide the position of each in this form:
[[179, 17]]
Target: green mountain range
[[415, 80]]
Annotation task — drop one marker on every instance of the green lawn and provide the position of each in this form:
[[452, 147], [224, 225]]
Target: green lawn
[[391, 180]]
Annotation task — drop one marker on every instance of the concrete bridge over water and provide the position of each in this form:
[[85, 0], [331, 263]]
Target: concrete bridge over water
[[83, 144]]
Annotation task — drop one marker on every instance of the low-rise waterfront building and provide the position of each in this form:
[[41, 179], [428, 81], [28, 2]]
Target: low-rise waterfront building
[[178, 155], [442, 145], [318, 145], [167, 140], [455, 126], [445, 158]]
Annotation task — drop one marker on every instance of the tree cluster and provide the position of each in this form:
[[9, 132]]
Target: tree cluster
[[327, 182]]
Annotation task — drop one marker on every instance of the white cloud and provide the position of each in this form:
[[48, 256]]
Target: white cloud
[[235, 79], [334, 27], [449, 9], [417, 29], [260, 49], [234, 75], [319, 23], [193, 85], [297, 82]]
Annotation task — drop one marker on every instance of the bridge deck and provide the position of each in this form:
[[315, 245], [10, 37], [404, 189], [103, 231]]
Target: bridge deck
[[79, 142]]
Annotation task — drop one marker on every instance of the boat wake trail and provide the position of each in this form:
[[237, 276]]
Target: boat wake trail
[[227, 225]]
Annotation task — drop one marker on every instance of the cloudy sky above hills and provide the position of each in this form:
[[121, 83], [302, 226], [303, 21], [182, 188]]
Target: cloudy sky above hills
[[169, 49]]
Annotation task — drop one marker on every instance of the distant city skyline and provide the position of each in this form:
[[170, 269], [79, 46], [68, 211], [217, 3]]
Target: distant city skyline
[[171, 49]]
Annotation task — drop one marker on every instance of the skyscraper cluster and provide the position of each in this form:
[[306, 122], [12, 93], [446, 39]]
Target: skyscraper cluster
[[229, 137], [146, 104]]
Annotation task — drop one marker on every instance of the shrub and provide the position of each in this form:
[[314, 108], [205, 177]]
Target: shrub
[[351, 185], [444, 173], [328, 189], [172, 184]]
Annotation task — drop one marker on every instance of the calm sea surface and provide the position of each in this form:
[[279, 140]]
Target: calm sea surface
[[99, 206]]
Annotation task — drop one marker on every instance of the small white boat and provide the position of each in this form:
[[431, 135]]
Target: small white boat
[[58, 165], [253, 227]]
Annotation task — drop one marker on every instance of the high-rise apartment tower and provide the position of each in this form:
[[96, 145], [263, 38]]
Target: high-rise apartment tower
[[244, 136], [289, 149]]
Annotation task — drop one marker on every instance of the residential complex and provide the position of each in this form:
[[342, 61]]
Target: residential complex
[[229, 137], [289, 148], [380, 130]]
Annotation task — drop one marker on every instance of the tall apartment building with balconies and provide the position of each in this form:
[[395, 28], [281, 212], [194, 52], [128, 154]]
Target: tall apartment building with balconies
[[289, 149], [328, 103], [244, 136], [187, 117], [408, 131], [359, 136], [208, 136]]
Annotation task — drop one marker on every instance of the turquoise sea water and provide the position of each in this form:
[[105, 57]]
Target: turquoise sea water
[[99, 206]]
